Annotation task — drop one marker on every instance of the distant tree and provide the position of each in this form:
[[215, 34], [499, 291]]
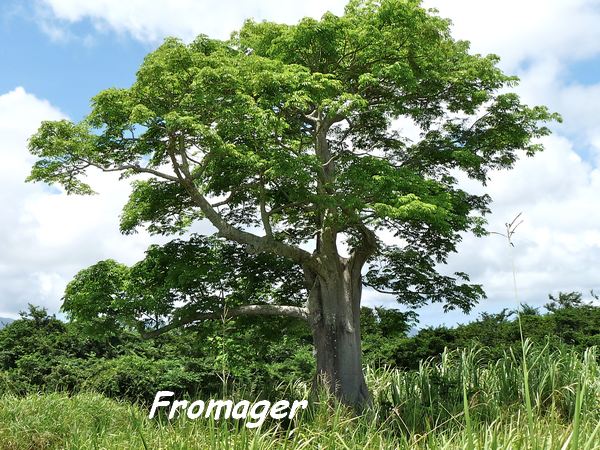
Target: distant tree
[[528, 310], [564, 300], [284, 139]]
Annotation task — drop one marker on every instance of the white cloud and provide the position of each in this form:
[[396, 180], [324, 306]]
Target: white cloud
[[516, 30], [151, 21], [538, 40], [526, 30], [558, 245], [579, 104], [46, 236]]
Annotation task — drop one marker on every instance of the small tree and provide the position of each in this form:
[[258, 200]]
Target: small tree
[[283, 138], [566, 300]]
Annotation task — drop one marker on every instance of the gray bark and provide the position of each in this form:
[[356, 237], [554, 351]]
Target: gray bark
[[334, 316], [335, 292]]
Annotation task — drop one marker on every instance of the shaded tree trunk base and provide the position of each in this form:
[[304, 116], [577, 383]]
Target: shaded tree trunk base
[[334, 314]]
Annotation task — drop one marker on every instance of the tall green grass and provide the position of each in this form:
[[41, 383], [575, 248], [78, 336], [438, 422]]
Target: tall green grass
[[454, 402]]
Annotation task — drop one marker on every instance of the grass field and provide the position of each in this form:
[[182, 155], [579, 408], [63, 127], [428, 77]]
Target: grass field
[[552, 402]]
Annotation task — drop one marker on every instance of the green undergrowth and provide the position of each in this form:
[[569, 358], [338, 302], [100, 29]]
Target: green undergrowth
[[455, 402]]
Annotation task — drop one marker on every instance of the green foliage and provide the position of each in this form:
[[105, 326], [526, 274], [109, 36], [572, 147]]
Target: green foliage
[[566, 300], [412, 274], [38, 335], [138, 378], [384, 331], [289, 128], [574, 323], [419, 409], [99, 293], [431, 395], [166, 208], [40, 353], [177, 280]]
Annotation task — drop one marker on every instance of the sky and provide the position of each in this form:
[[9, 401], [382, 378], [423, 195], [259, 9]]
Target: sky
[[57, 54]]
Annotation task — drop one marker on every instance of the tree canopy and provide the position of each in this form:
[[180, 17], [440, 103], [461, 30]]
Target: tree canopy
[[184, 279], [236, 120], [288, 139]]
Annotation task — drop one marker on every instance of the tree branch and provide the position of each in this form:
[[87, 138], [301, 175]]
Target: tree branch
[[259, 243], [134, 167], [264, 215], [247, 310], [367, 247]]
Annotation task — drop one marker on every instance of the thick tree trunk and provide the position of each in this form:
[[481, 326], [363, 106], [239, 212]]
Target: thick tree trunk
[[334, 315]]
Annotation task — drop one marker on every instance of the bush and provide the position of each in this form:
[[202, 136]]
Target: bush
[[40, 353]]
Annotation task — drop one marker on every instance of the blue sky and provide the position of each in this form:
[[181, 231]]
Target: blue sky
[[66, 72], [56, 54]]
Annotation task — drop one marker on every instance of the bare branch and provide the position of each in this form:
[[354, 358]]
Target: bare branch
[[222, 202], [313, 116], [283, 207], [154, 172], [234, 191], [264, 215], [259, 243], [134, 167], [365, 249]]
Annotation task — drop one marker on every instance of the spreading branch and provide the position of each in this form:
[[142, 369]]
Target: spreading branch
[[136, 168], [258, 243], [247, 310]]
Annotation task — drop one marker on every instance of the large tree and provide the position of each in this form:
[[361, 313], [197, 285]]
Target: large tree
[[288, 140]]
